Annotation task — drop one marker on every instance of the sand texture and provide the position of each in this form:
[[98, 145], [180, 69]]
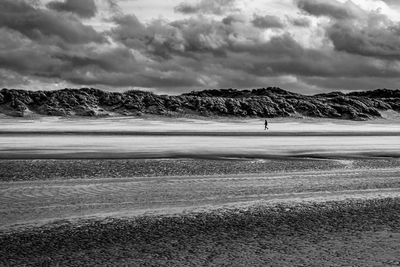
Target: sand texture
[[345, 233], [31, 202], [344, 213]]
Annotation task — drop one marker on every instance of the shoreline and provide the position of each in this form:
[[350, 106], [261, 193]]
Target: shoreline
[[32, 169], [199, 133]]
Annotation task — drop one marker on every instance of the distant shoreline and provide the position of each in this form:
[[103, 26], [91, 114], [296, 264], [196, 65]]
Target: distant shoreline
[[203, 133]]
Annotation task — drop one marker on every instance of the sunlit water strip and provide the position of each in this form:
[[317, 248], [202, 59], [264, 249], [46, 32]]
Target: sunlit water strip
[[126, 137], [196, 146]]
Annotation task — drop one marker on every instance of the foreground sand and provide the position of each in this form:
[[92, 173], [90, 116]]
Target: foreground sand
[[345, 233], [200, 212], [34, 202]]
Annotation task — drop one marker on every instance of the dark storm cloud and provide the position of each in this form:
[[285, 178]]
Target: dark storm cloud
[[131, 32], [229, 52], [148, 79], [282, 55], [119, 67], [267, 21], [83, 8], [41, 43], [218, 46], [41, 24], [114, 6], [216, 49], [10, 78], [114, 60], [376, 37], [234, 18], [226, 49], [217, 7], [300, 22], [36, 44], [356, 31], [183, 37], [21, 54], [330, 8], [202, 35], [353, 83]]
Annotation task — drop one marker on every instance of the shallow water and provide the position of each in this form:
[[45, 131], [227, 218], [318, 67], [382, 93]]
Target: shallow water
[[255, 126], [111, 146], [188, 138]]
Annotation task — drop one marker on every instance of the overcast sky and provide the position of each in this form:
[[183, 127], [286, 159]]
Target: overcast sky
[[173, 46]]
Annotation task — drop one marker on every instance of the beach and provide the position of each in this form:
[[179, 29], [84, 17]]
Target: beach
[[199, 133], [203, 193]]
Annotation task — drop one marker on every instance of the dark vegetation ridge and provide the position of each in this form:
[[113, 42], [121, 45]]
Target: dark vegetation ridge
[[264, 102]]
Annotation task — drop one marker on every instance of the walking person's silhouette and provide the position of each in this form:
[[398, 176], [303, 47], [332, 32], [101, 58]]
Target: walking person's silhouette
[[266, 125]]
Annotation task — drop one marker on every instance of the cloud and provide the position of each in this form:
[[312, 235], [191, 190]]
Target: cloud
[[267, 21], [374, 37], [234, 18], [357, 31], [102, 64], [23, 55], [213, 44], [10, 78], [217, 7], [282, 55], [131, 32], [114, 6], [300, 22], [41, 24], [352, 83], [230, 52], [330, 8], [83, 8], [165, 40], [395, 3], [234, 54]]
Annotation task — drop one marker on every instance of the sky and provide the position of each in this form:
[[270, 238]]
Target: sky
[[175, 46]]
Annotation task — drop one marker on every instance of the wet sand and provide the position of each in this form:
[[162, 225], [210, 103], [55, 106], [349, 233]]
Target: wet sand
[[39, 201], [312, 213], [340, 233]]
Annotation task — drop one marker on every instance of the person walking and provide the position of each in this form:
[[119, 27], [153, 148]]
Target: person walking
[[266, 125]]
